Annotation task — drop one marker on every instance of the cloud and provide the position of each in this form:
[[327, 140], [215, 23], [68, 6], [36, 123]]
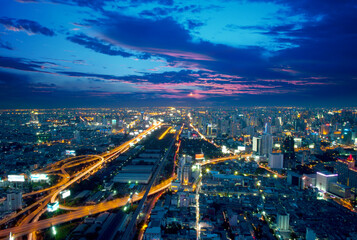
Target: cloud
[[31, 27], [98, 45], [161, 2], [27, 1], [6, 45], [168, 39], [19, 64]]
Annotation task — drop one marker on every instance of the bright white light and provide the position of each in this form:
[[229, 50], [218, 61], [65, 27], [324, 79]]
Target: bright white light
[[16, 178], [51, 207], [54, 230]]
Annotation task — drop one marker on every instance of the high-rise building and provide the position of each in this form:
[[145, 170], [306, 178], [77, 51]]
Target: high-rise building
[[324, 179], [257, 145], [34, 117], [347, 172], [14, 201], [209, 130], [267, 128], [310, 234], [263, 145], [282, 221], [267, 144], [288, 152], [186, 174], [275, 160]]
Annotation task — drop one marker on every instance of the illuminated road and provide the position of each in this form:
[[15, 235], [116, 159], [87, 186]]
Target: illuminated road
[[164, 133], [128, 231], [203, 136], [81, 212], [66, 182], [218, 160], [147, 215], [271, 171], [41, 203]]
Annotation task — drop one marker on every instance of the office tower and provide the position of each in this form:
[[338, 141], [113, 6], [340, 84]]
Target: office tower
[[324, 179], [180, 168], [267, 128], [347, 172], [283, 221], [186, 174], [275, 160], [288, 152], [257, 145], [209, 130], [263, 145], [14, 201], [267, 144]]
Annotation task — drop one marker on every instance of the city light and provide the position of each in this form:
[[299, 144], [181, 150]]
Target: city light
[[52, 207], [54, 232]]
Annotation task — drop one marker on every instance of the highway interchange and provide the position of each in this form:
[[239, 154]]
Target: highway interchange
[[31, 223]]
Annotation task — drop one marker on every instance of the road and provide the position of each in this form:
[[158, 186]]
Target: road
[[66, 182], [81, 212], [222, 159], [129, 230]]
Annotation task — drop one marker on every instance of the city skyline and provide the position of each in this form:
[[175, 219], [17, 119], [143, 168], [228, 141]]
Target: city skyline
[[76, 53]]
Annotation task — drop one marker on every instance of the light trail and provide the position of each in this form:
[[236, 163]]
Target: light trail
[[203, 136], [223, 159], [81, 212], [164, 134], [66, 182]]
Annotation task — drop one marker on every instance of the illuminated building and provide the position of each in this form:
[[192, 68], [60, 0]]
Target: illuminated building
[[308, 180], [257, 145], [34, 117], [282, 221], [325, 129], [186, 174], [340, 190], [324, 179], [209, 130], [347, 172], [263, 145]]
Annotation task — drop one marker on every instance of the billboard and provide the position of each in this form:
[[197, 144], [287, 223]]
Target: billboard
[[16, 178], [51, 207], [65, 193], [71, 152], [200, 156], [39, 177]]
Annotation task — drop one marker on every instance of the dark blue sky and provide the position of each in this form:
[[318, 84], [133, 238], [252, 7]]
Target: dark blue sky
[[98, 53]]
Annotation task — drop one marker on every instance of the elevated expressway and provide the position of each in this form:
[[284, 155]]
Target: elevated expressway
[[40, 205]]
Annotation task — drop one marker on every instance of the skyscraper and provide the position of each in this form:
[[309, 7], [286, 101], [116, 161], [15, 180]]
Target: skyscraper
[[263, 145], [347, 172], [288, 152]]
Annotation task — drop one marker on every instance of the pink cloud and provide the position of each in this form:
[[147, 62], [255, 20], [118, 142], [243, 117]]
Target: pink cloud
[[168, 52], [295, 82], [288, 70], [18, 29]]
